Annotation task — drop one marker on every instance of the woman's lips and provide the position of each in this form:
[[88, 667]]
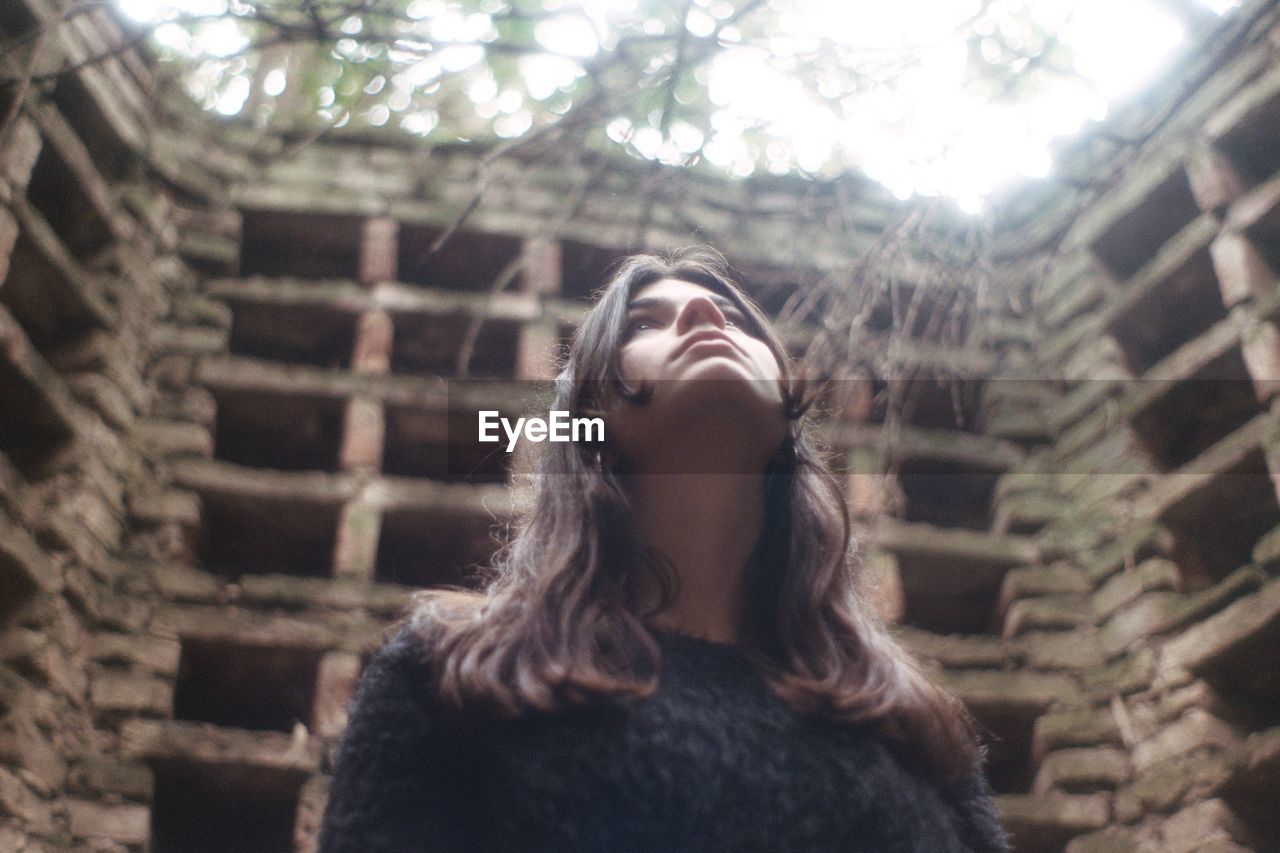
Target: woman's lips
[[703, 338], [709, 343]]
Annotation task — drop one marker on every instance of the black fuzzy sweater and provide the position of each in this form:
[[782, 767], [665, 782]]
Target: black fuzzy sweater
[[712, 762]]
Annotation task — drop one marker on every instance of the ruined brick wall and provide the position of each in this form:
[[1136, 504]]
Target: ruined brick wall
[[228, 451], [1131, 668], [89, 282]]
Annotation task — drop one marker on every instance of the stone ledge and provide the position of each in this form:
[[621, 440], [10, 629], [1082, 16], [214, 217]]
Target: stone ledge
[[335, 593], [435, 394], [1048, 823], [238, 482], [117, 693], [1120, 590], [353, 632], [1020, 694], [127, 823], [1159, 612], [205, 743], [1196, 729], [155, 654], [1232, 638], [1082, 770], [1075, 727]]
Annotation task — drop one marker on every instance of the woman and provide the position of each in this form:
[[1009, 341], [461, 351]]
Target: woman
[[672, 653]]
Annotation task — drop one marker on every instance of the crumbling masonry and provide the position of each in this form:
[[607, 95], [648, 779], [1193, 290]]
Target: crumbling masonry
[[224, 430]]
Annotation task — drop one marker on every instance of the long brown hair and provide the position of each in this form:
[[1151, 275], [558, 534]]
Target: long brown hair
[[556, 621]]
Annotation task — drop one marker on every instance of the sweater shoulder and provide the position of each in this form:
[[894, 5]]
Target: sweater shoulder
[[398, 674], [394, 767], [971, 797]]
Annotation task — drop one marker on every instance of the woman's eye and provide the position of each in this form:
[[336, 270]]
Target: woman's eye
[[636, 325]]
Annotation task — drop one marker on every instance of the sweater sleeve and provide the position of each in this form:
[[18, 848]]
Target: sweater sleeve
[[980, 827], [393, 786]]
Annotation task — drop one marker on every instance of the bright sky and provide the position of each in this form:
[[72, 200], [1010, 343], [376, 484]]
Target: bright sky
[[916, 122]]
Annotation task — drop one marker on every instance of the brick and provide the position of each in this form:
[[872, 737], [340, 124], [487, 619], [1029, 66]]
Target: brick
[[19, 801], [867, 491], [1193, 828], [1266, 552], [311, 805], [291, 592], [133, 694], [18, 156], [1137, 543], [104, 397], [1197, 694], [206, 744], [1110, 840], [379, 244], [1036, 581], [1150, 614], [1075, 727], [1047, 823], [1150, 575], [956, 651], [12, 838], [196, 405], [336, 679], [884, 586], [1215, 182], [166, 338], [8, 237], [1082, 770], [1194, 730], [33, 652], [158, 655], [97, 776], [542, 265], [164, 439], [1065, 650], [28, 746], [538, 350], [364, 433], [193, 309], [356, 546], [171, 372], [1242, 273], [1228, 635], [173, 506], [24, 565], [1126, 675], [128, 823], [106, 608], [1014, 694], [1165, 786], [1260, 346], [374, 337], [1054, 612], [179, 582]]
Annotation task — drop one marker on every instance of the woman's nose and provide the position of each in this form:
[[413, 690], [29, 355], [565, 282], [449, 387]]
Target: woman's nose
[[699, 309]]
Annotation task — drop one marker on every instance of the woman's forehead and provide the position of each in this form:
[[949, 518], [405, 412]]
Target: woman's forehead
[[675, 288]]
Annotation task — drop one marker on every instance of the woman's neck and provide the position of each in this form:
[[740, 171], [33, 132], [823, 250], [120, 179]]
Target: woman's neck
[[707, 525]]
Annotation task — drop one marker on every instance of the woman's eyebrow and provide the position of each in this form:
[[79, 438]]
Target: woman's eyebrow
[[653, 301]]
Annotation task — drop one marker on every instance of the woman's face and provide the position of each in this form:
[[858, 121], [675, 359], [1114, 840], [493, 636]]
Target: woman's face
[[676, 329], [706, 366]]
